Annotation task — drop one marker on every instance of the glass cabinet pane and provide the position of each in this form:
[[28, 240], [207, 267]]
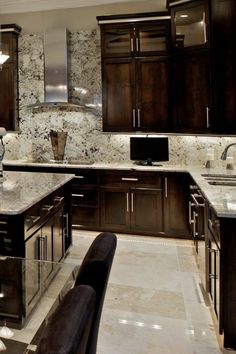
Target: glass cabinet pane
[[152, 39], [117, 41], [190, 27]]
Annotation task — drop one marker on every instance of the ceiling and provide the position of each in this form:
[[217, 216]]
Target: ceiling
[[17, 6]]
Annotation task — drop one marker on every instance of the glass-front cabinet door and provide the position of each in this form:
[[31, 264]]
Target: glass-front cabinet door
[[190, 25], [152, 39], [133, 39], [117, 41]]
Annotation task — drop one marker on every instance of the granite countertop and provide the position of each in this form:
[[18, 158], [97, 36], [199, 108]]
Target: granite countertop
[[222, 198], [20, 190]]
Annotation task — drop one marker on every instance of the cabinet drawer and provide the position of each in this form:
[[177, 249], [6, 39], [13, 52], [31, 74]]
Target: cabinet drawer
[[131, 178], [84, 177], [214, 225], [84, 196], [32, 217]]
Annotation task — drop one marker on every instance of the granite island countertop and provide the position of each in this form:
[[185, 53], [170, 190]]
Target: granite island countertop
[[21, 190], [222, 198]]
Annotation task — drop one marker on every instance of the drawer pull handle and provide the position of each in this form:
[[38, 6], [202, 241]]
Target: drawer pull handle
[[79, 177], [58, 199], [78, 195], [47, 207], [129, 179], [33, 219], [3, 222]]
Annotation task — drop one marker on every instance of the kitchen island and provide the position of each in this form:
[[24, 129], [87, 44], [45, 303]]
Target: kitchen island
[[35, 215]]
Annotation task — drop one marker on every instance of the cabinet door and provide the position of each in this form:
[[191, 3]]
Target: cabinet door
[[7, 100], [9, 80], [146, 210], [190, 24], [191, 98], [117, 40], [46, 253], [152, 39], [46, 241], [58, 236], [115, 208], [152, 89], [223, 63], [32, 273], [118, 95], [176, 205]]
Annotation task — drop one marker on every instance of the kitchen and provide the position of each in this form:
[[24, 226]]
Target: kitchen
[[85, 141]]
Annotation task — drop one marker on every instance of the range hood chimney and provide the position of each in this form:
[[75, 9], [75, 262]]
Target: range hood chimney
[[56, 73], [56, 66]]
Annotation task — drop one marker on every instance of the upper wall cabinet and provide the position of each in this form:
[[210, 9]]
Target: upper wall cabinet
[[135, 39], [204, 75], [191, 75], [135, 72], [223, 59], [9, 111]]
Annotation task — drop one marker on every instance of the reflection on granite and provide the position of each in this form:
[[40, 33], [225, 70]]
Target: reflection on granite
[[21, 190], [43, 302]]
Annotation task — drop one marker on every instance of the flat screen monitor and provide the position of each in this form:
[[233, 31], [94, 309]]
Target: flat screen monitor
[[146, 150]]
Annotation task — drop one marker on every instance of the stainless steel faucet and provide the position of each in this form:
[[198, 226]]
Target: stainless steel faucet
[[224, 154]]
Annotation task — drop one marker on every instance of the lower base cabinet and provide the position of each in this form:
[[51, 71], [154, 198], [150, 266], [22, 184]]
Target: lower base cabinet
[[175, 201], [131, 210]]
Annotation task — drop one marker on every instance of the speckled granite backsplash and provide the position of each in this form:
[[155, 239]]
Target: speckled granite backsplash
[[85, 137]]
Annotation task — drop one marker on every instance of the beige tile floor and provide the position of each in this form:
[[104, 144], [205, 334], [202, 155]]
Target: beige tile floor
[[153, 303]]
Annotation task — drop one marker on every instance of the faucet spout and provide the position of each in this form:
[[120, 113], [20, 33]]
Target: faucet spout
[[224, 154]]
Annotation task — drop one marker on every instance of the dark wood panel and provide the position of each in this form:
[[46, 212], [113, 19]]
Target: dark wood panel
[[115, 213], [7, 100], [176, 205], [191, 92], [223, 63], [146, 211], [118, 94], [153, 93]]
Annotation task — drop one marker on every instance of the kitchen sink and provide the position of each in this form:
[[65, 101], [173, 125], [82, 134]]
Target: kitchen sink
[[218, 175], [220, 179], [222, 183]]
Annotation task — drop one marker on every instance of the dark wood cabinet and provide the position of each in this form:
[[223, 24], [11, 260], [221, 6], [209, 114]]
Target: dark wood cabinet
[[135, 73], [204, 55], [191, 88], [131, 202], [85, 199], [191, 92], [223, 58], [9, 112], [118, 94], [44, 230], [136, 94], [134, 34], [176, 205]]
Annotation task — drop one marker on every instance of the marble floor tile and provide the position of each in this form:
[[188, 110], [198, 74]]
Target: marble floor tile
[[153, 304]]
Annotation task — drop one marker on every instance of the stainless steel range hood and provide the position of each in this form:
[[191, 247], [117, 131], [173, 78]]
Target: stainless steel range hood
[[56, 73]]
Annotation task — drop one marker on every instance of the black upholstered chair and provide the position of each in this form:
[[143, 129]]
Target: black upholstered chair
[[69, 326], [94, 271]]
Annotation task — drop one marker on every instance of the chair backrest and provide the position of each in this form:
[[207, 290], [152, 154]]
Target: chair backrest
[[69, 326], [94, 271]]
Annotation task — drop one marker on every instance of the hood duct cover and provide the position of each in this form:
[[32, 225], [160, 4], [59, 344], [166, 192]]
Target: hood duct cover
[[56, 73]]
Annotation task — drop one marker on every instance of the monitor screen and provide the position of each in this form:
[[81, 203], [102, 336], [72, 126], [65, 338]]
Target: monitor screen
[[146, 150]]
